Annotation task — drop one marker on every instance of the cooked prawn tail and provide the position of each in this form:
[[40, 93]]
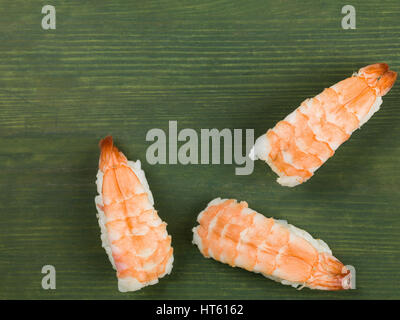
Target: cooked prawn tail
[[372, 72], [110, 155], [379, 76], [133, 235], [330, 274], [386, 82]]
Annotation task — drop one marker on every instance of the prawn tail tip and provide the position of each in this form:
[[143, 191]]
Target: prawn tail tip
[[386, 82], [106, 142], [374, 70]]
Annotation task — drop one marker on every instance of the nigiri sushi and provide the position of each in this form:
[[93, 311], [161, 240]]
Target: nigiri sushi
[[134, 237], [232, 233], [298, 145]]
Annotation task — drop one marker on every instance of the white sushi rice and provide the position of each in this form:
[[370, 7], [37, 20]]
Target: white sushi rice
[[262, 148], [375, 107], [318, 244], [128, 283]]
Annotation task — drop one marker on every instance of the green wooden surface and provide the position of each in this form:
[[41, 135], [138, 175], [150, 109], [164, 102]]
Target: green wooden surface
[[124, 67]]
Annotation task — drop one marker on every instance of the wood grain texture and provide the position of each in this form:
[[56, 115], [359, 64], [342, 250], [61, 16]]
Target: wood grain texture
[[124, 67]]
